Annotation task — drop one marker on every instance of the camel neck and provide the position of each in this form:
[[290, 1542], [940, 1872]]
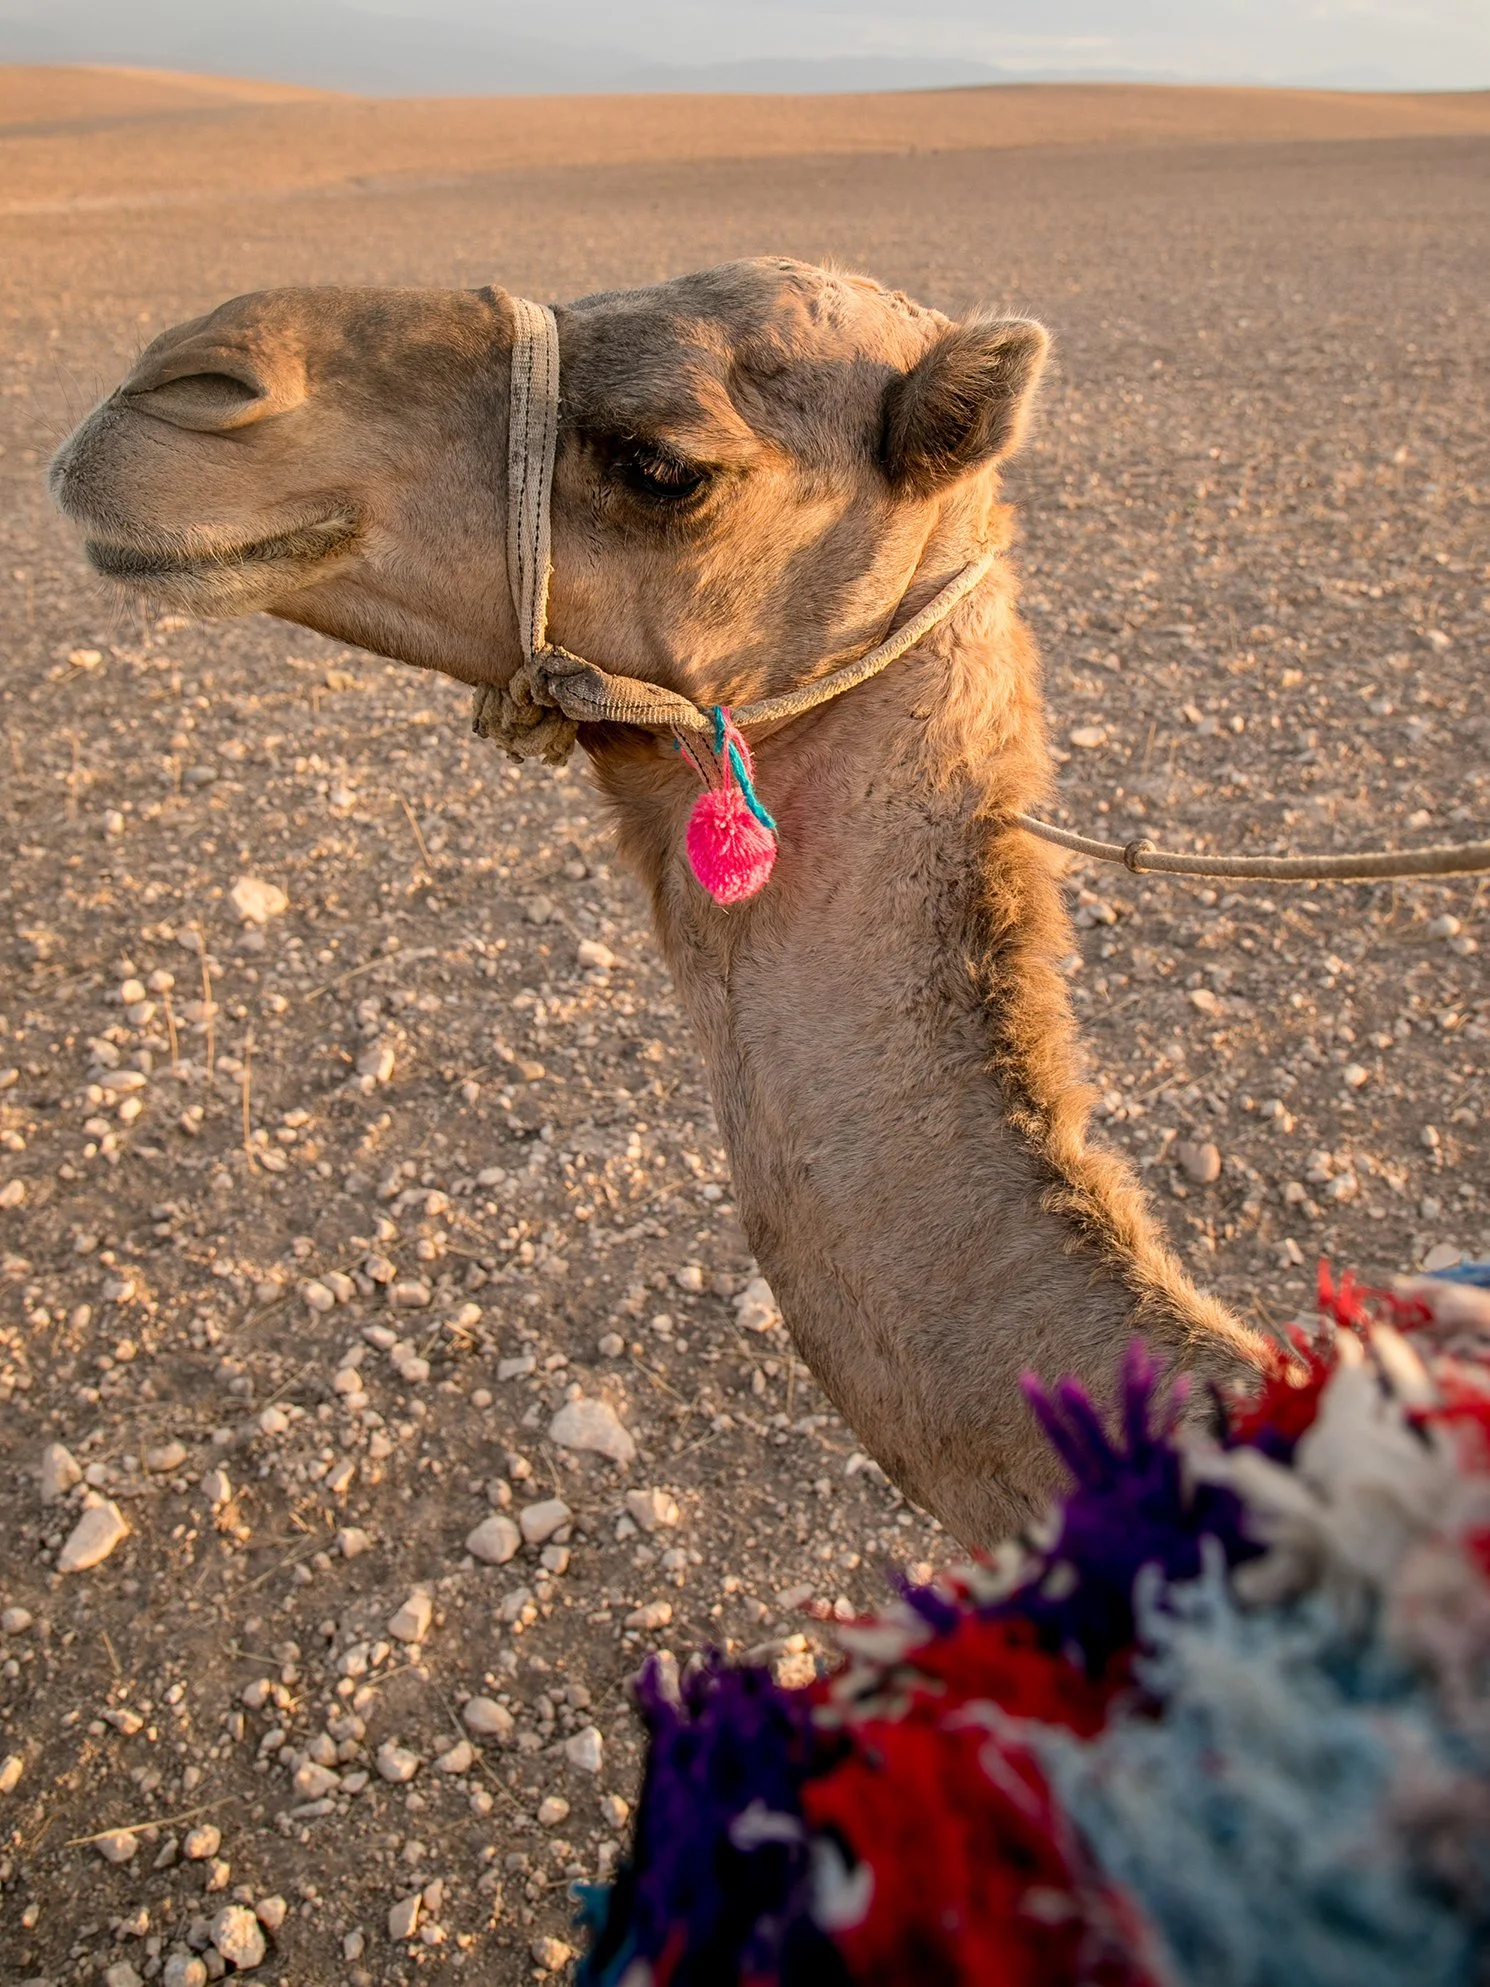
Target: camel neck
[[895, 1071]]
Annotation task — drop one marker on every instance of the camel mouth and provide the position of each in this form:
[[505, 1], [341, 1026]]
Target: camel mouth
[[159, 563]]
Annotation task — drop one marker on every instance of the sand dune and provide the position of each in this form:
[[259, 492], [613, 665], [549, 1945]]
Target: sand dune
[[98, 137]]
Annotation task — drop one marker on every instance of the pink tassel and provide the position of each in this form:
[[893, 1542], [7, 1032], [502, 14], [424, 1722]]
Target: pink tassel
[[731, 853], [731, 838]]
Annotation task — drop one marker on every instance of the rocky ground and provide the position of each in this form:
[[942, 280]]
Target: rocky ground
[[373, 1315]]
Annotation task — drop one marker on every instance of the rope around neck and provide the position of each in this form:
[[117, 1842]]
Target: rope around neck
[[537, 713]]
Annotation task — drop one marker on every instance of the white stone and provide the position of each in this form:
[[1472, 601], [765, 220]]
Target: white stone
[[59, 1472], [403, 1919], [590, 952], [585, 1749], [184, 1970], [200, 1843], [120, 1845], [312, 1782], [317, 1296], [256, 901], [121, 1974], [396, 1763], [487, 1719], [13, 1193], [410, 1294], [352, 1541], [495, 1540], [756, 1309], [651, 1614], [239, 1937], [595, 1426], [271, 1912], [550, 1954], [552, 1809], [165, 1460], [690, 1278], [273, 1421], [615, 1810], [93, 1538], [1355, 1075], [410, 1623], [217, 1487], [539, 1522], [376, 1063], [15, 1621], [652, 1509], [11, 1769], [459, 1759], [1088, 737]]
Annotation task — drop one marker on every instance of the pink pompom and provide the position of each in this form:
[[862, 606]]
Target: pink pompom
[[730, 851]]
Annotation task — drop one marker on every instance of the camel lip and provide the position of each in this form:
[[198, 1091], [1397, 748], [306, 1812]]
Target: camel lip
[[162, 563]]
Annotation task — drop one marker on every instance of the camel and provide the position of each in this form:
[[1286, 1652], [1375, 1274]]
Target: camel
[[761, 470]]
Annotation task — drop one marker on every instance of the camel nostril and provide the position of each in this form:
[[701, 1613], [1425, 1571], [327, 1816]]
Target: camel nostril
[[212, 402]]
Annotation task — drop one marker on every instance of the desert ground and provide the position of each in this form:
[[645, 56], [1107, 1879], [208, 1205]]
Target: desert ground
[[309, 1225]]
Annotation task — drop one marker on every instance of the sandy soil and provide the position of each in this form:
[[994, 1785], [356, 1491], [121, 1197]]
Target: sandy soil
[[1254, 542]]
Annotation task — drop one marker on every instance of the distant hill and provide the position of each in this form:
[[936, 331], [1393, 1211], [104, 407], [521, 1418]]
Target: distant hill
[[506, 48]]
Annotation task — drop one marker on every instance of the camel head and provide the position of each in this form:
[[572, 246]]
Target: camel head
[[754, 463]]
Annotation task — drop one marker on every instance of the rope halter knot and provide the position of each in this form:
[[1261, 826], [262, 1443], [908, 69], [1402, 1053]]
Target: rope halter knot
[[537, 713]]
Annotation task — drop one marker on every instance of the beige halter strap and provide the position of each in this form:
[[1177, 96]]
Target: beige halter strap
[[536, 714]]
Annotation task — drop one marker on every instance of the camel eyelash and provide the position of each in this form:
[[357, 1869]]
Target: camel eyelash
[[659, 475]]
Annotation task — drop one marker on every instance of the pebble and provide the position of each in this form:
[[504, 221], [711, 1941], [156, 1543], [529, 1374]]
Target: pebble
[[585, 1749], [121, 1974], [271, 1912], [486, 1719], [120, 1845], [396, 1763], [410, 1295], [165, 1460], [590, 952], [552, 1809], [551, 1954], [410, 1623], [376, 1063], [1088, 737], [403, 1918], [93, 1538], [516, 1368], [59, 1472], [459, 1759], [539, 910], [13, 1193], [651, 1614], [217, 1488], [756, 1309], [652, 1509], [238, 1936], [1204, 1001], [690, 1278], [611, 1345], [200, 1843], [273, 1421], [256, 901], [352, 1541], [615, 1810], [495, 1540], [317, 1296], [313, 1783], [11, 1769], [1200, 1163], [184, 1970], [1443, 1255], [1355, 1074], [594, 1426], [539, 1522], [15, 1621]]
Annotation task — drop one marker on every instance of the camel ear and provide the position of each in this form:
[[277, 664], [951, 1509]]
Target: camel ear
[[963, 403]]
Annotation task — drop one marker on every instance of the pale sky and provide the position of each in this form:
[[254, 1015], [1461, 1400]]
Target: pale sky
[[488, 45]]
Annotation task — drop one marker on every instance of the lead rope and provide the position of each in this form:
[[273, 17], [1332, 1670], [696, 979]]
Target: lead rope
[[731, 837]]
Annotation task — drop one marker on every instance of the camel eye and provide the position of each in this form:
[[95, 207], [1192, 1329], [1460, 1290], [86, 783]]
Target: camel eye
[[660, 475]]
